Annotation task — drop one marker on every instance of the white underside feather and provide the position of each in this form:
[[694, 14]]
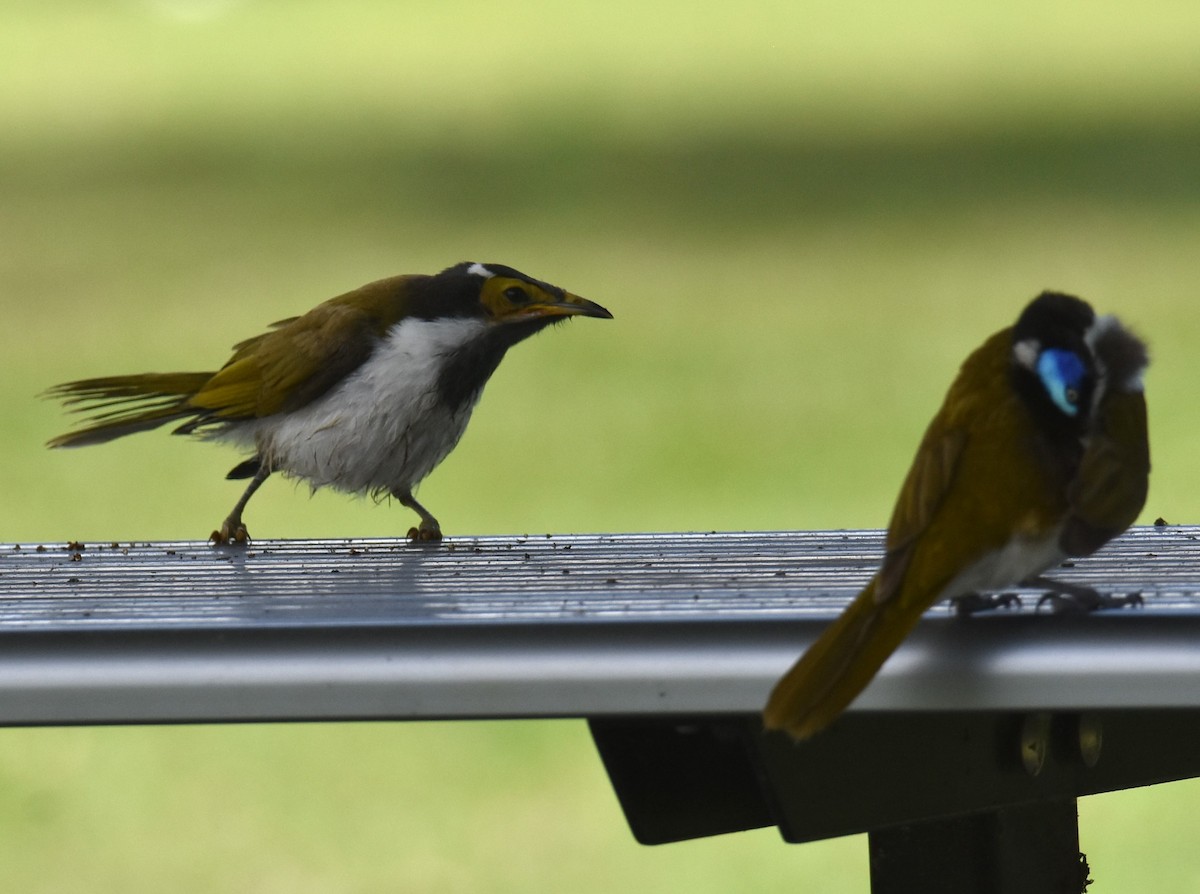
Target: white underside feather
[[383, 428]]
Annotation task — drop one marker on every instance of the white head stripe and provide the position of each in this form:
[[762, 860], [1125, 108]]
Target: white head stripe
[[478, 269]]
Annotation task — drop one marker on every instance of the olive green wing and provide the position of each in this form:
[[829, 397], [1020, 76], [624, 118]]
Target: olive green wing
[[1114, 475], [974, 404], [929, 481], [301, 358]]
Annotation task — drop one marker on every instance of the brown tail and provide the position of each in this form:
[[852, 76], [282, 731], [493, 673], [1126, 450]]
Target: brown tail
[[839, 665], [123, 405]]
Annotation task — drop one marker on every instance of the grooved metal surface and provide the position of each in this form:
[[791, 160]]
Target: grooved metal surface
[[548, 626]]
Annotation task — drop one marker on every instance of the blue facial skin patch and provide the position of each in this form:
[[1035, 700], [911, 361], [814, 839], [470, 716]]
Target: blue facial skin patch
[[1062, 374]]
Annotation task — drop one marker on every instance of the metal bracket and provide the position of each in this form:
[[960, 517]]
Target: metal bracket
[[1027, 849], [969, 782]]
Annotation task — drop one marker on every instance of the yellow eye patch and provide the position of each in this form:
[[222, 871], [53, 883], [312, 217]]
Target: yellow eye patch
[[503, 296]]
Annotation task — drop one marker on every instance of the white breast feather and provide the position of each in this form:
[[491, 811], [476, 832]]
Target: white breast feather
[[383, 428]]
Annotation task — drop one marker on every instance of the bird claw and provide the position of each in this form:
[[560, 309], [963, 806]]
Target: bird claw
[[974, 603], [424, 534], [1082, 600], [231, 533]]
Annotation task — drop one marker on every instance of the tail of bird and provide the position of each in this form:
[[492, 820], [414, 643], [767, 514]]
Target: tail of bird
[[123, 405], [839, 665]]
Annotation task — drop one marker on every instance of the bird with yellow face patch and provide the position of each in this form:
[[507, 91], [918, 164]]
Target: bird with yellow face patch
[[1039, 452], [365, 393]]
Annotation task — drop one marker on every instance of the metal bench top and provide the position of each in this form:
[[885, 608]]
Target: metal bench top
[[548, 626]]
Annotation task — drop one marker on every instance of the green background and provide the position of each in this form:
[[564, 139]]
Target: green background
[[803, 216]]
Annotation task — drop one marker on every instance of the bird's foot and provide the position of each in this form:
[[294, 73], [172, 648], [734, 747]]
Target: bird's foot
[[425, 533], [1067, 598], [231, 533], [428, 531], [974, 603], [1074, 599]]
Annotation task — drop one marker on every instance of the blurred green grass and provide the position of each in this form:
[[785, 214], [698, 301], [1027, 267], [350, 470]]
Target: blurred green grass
[[802, 216]]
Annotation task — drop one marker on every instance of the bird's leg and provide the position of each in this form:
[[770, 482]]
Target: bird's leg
[[974, 603], [428, 531], [1064, 597], [232, 530]]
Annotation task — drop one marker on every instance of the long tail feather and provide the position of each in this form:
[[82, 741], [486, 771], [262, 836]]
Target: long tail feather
[[838, 666], [123, 405]]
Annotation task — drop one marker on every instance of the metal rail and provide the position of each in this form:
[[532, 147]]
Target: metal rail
[[624, 624], [967, 751]]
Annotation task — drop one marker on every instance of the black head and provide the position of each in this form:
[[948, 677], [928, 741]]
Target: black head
[[512, 306], [1053, 366], [498, 294]]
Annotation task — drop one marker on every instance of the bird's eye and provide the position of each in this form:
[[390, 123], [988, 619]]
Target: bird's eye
[[516, 295]]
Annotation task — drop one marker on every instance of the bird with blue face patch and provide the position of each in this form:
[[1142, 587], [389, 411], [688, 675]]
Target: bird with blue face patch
[[365, 393], [1039, 452]]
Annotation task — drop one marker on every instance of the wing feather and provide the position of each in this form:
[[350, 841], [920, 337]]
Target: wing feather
[[301, 358], [1110, 489]]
